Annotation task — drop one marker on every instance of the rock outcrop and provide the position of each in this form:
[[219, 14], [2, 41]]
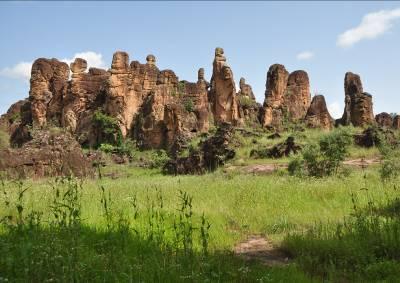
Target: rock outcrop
[[374, 136], [249, 109], [47, 154], [287, 96], [84, 95], [277, 151], [48, 86], [396, 122], [358, 104], [223, 91], [297, 96], [212, 153], [384, 120], [277, 78], [318, 115]]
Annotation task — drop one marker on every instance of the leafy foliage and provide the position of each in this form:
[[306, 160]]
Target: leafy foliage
[[108, 128], [189, 106], [324, 158]]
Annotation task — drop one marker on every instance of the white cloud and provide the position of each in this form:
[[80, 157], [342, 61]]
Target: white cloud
[[372, 25], [93, 59], [305, 55], [335, 110], [21, 71]]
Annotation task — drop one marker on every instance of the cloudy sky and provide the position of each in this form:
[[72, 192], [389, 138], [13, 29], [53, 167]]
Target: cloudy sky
[[326, 39]]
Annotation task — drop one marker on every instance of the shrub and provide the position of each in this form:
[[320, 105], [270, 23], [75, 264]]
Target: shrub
[[108, 128], [189, 106], [390, 166], [126, 147], [324, 158], [246, 101], [158, 158]]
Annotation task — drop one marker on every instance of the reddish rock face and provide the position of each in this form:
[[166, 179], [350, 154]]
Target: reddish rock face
[[396, 122], [82, 98], [297, 96], [47, 154], [286, 96], [223, 91], [48, 86], [318, 115], [384, 120], [277, 78], [249, 109], [10, 120], [358, 104]]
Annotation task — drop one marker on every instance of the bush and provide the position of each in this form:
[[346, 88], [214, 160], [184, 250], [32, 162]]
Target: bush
[[390, 166], [324, 158], [126, 147], [158, 158], [246, 101], [189, 106], [109, 129]]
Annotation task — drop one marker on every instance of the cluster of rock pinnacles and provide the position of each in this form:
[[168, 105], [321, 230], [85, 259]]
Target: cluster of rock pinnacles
[[155, 108]]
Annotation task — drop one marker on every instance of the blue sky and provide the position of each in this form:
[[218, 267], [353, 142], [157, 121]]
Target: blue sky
[[326, 39]]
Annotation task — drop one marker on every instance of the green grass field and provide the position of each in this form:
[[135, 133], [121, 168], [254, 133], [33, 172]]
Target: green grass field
[[137, 225]]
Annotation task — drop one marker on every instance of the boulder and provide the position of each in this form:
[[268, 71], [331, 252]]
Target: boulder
[[277, 151], [213, 152], [49, 153], [384, 120], [374, 136], [318, 115]]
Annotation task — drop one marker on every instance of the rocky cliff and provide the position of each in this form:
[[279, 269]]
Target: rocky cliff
[[156, 109]]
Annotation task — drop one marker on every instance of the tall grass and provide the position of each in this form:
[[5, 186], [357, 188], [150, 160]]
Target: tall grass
[[151, 244]]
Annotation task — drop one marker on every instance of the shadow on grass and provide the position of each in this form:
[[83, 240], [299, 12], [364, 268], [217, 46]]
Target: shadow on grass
[[80, 253]]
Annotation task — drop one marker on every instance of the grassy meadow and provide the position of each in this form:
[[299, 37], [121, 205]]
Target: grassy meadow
[[137, 225]]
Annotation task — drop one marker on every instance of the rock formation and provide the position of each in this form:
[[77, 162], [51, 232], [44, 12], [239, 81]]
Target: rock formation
[[47, 154], [384, 120], [318, 115], [277, 78], [213, 152], [84, 95], [297, 95], [248, 107], [223, 91], [358, 104], [277, 151], [287, 96], [396, 122], [48, 86], [158, 110]]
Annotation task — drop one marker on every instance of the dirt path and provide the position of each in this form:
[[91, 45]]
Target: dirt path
[[257, 247]]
